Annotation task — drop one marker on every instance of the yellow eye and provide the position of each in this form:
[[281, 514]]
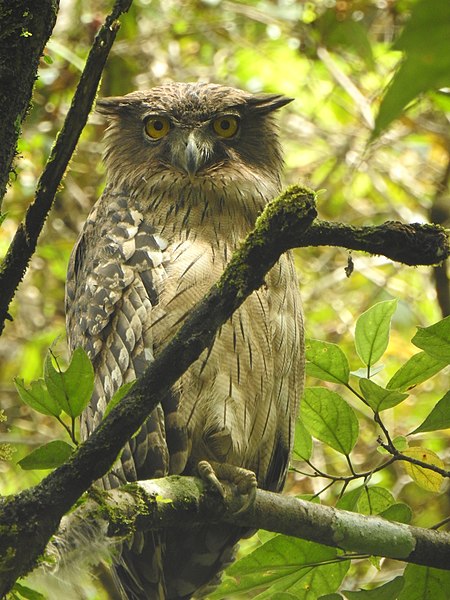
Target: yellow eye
[[157, 127], [226, 126]]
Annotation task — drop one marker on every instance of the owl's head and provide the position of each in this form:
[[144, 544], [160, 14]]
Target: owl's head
[[188, 133]]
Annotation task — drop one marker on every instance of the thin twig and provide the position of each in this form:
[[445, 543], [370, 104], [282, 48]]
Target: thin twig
[[23, 245]]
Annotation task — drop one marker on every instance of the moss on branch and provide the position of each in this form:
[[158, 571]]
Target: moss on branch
[[176, 501]]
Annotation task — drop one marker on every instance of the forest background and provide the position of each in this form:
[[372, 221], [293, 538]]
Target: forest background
[[335, 59]]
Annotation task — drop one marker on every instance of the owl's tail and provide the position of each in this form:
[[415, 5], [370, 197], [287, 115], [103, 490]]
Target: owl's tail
[[179, 565]]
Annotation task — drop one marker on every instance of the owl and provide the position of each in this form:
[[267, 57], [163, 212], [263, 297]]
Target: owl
[[189, 168]]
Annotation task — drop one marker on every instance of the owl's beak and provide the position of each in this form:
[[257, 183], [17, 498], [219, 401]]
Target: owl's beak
[[193, 157], [189, 155]]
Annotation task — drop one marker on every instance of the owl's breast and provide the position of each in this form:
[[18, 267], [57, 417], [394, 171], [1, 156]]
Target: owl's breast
[[237, 399]]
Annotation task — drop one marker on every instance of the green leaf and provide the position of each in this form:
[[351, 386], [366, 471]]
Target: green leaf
[[368, 500], [362, 372], [435, 340], [387, 591], [117, 397], [329, 418], [73, 388], [349, 501], [347, 34], [49, 456], [326, 361], [285, 564], [439, 417], [37, 396], [302, 442], [400, 442], [373, 500], [417, 369], [282, 596], [372, 331], [26, 592], [399, 512], [425, 583], [426, 64], [377, 397]]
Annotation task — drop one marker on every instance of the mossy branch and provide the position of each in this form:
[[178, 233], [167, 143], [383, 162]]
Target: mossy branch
[[413, 244], [177, 501], [29, 519]]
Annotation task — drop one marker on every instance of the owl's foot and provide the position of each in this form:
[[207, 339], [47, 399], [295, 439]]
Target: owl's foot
[[242, 488]]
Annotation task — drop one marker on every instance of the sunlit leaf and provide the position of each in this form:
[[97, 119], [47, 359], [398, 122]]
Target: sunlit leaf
[[375, 561], [37, 396], [387, 591], [439, 417], [417, 369], [435, 340], [302, 442], [73, 388], [425, 478], [362, 371], [326, 361], [285, 564], [49, 456], [378, 398], [282, 596], [400, 442], [372, 331], [329, 418], [425, 583]]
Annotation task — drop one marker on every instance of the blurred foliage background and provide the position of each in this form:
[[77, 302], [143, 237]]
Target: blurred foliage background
[[335, 57]]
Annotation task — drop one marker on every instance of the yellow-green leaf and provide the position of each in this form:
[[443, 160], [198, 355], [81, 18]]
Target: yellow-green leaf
[[425, 478]]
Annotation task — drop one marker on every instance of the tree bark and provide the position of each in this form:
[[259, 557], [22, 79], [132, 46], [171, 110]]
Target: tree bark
[[23, 245], [29, 519], [24, 31], [185, 501]]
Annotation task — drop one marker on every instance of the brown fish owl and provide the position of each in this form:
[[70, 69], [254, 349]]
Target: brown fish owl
[[190, 167]]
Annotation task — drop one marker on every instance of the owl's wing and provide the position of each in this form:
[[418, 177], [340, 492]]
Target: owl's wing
[[116, 274]]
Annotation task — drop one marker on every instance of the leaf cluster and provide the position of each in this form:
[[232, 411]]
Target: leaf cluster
[[328, 417], [60, 394], [287, 568]]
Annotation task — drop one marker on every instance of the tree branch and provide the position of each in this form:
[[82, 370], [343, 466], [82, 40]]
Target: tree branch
[[29, 519], [414, 244], [185, 501], [25, 30], [23, 245]]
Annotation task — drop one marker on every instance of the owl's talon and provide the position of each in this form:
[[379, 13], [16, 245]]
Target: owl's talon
[[243, 484], [207, 473]]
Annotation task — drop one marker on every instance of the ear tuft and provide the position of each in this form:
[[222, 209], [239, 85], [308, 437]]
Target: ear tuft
[[266, 103], [114, 105]]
